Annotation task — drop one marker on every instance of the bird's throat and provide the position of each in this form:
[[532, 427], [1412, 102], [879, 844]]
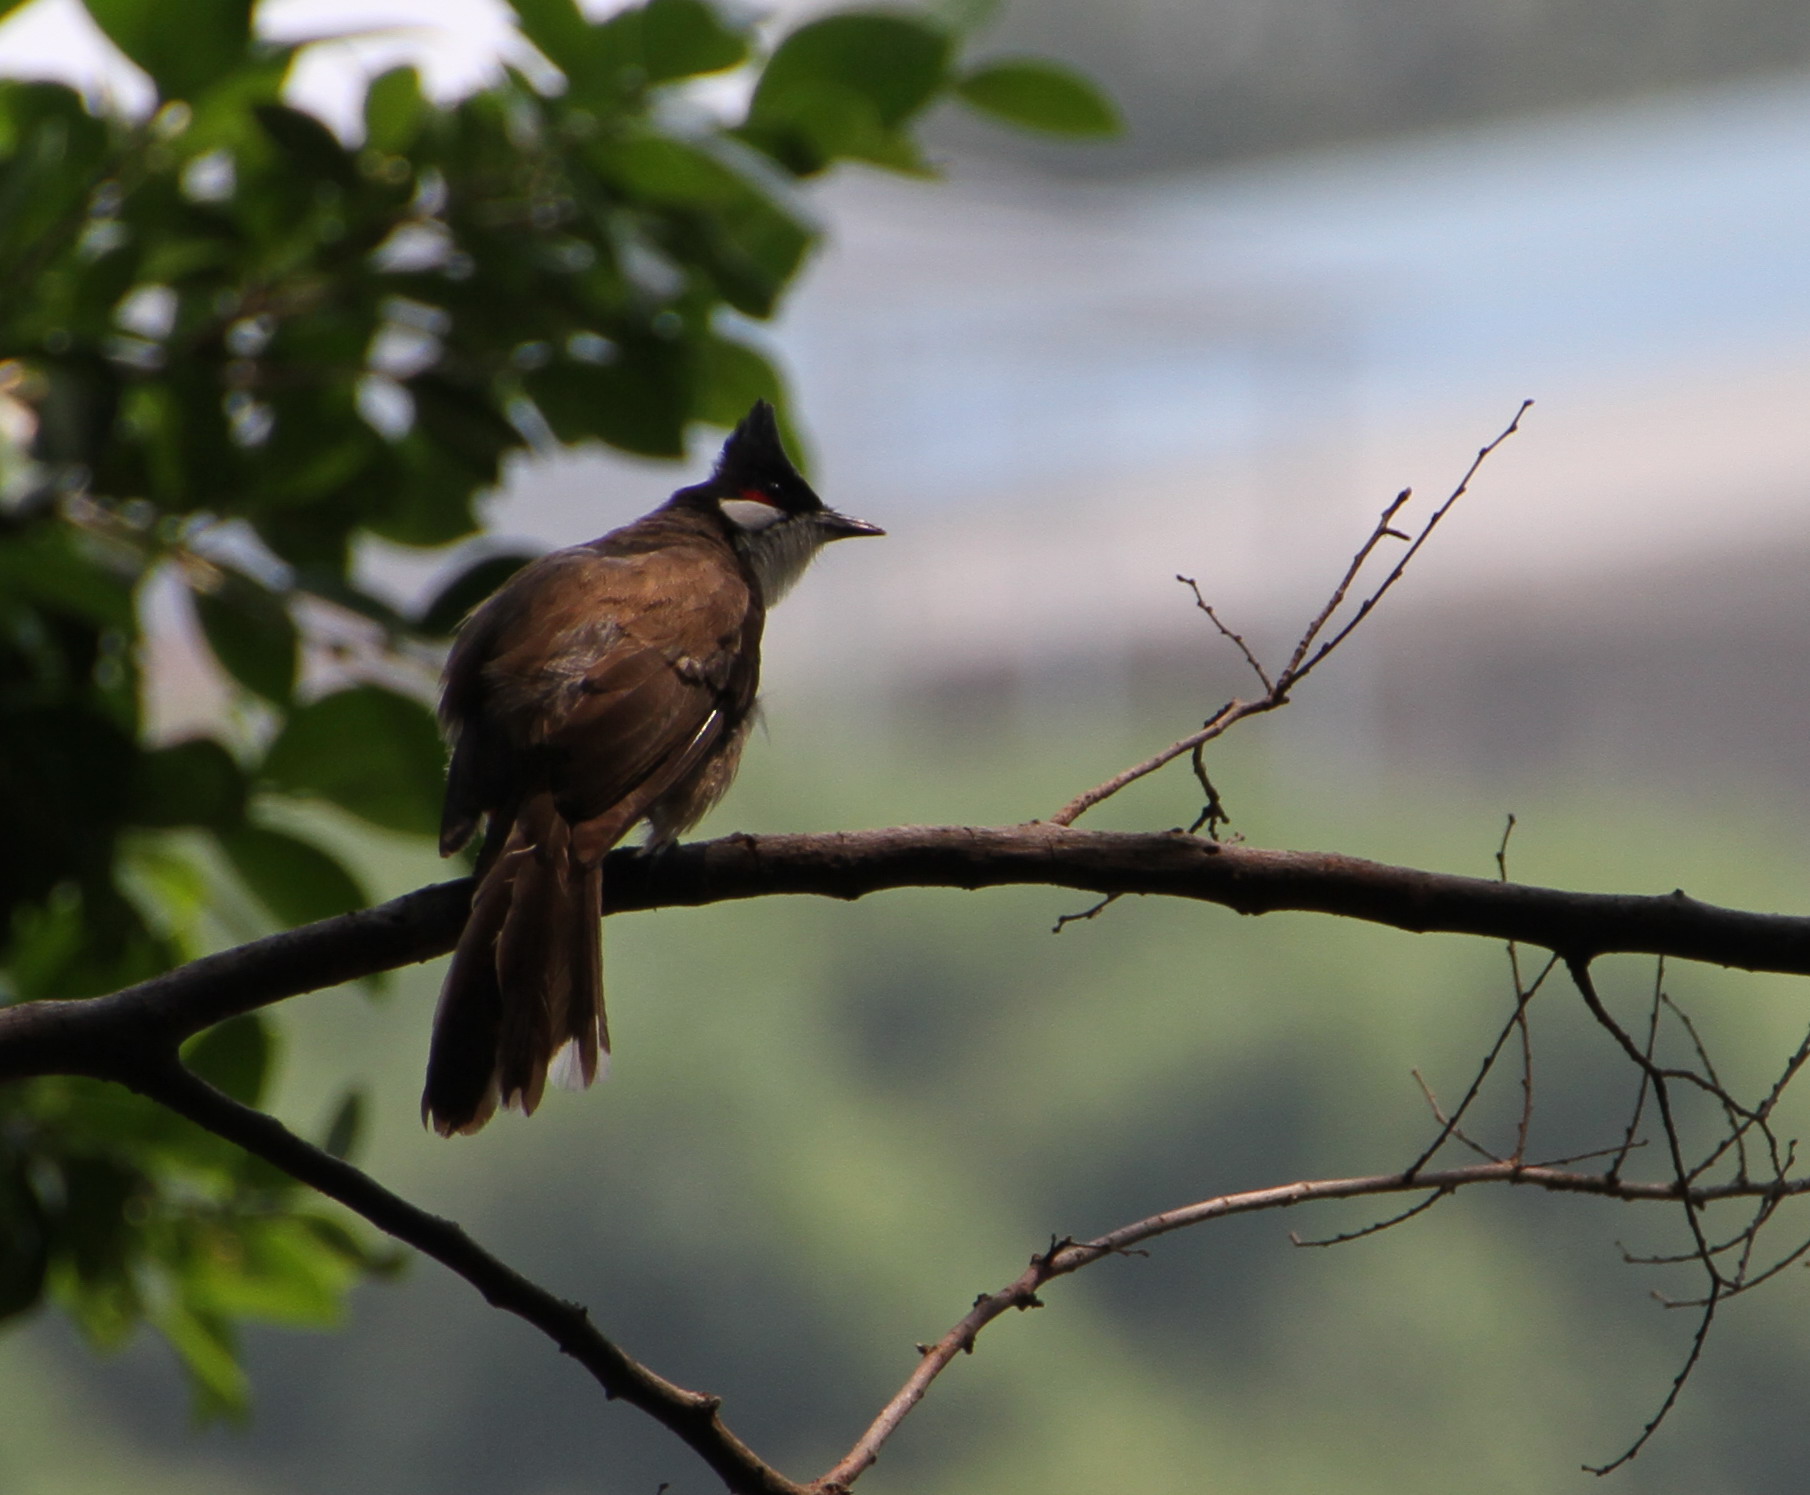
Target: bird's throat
[[779, 554]]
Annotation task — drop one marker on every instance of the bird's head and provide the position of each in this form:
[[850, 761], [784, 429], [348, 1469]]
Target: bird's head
[[773, 515]]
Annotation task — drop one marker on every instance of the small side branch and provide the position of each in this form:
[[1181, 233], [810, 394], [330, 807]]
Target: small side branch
[[1311, 649], [1302, 663], [1728, 1265], [1236, 639], [1092, 911], [1067, 1256], [1698, 1340]]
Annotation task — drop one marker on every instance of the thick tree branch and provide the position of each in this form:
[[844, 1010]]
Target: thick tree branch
[[104, 1035]]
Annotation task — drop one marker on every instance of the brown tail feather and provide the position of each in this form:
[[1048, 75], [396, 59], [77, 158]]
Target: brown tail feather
[[461, 1090], [533, 956], [586, 1028], [525, 980]]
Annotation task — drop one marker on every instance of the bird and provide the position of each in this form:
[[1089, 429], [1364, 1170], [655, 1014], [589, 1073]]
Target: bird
[[602, 687]]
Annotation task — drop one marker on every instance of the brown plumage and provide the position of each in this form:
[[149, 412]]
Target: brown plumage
[[603, 686]]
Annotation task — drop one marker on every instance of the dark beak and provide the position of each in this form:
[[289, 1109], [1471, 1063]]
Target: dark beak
[[840, 527]]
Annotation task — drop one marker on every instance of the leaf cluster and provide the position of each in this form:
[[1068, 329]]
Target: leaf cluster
[[120, 1212], [235, 347]]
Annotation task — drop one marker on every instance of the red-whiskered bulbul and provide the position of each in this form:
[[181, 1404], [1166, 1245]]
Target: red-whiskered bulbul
[[602, 686]]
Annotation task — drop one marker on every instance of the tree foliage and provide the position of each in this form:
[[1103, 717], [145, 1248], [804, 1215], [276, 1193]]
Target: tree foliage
[[234, 347]]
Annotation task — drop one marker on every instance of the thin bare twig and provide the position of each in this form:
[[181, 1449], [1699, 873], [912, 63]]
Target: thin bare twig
[[1094, 912], [1508, 829], [1213, 813], [1310, 650], [1698, 1340], [1522, 996], [1448, 1125], [1584, 1157], [1641, 1091], [1368, 605], [1657, 1079], [1227, 717], [1749, 1281], [1761, 1115], [1297, 665], [1376, 1227], [1237, 639], [1738, 1120]]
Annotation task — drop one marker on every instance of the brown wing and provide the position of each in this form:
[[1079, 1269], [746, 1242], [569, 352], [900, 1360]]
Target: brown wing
[[602, 678]]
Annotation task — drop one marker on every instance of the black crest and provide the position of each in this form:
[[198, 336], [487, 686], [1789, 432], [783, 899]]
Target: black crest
[[754, 457]]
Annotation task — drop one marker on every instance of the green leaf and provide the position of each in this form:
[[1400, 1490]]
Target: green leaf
[[422, 493], [190, 783], [275, 1269], [253, 637], [637, 404], [683, 38], [96, 1245], [394, 110], [313, 150], [751, 245], [732, 377], [895, 62], [63, 571], [183, 49], [608, 63], [233, 1056], [659, 169], [205, 1346], [843, 86], [1039, 95], [347, 1125], [367, 750], [222, 117], [295, 879], [464, 423], [170, 891], [24, 1241], [565, 38], [465, 591], [191, 461], [50, 148]]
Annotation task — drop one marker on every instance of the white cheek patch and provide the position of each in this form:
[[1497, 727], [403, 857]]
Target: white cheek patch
[[750, 514]]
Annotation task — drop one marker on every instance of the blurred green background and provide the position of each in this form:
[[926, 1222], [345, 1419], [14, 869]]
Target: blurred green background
[[829, 1126]]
